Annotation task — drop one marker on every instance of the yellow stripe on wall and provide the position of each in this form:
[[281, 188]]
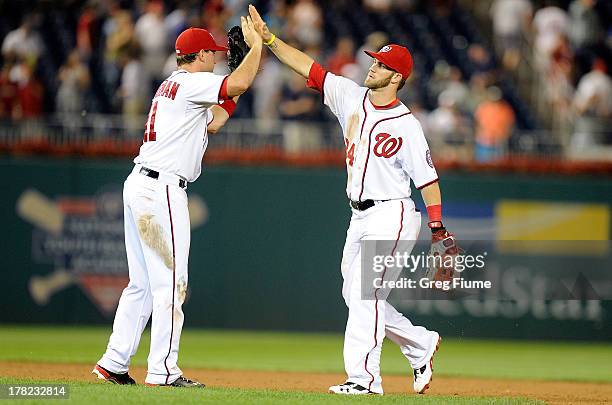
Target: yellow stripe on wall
[[551, 221]]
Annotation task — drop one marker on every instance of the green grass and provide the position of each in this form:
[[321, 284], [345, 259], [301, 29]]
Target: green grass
[[89, 393], [235, 350]]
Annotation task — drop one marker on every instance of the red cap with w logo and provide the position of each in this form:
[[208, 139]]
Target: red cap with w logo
[[395, 57], [193, 40]]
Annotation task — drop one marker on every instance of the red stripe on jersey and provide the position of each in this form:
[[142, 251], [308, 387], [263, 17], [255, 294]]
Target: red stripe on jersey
[[426, 184], [369, 142], [365, 117], [392, 104]]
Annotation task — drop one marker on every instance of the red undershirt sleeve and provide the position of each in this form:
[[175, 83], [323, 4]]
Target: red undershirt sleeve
[[223, 90], [316, 77]]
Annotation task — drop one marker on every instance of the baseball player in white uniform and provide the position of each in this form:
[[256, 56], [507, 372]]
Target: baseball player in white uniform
[[191, 103], [385, 150]]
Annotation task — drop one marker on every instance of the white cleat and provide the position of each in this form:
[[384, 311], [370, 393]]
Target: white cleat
[[424, 374], [349, 388]]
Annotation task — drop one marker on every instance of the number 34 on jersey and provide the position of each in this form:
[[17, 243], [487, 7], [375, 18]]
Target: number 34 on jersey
[[386, 146]]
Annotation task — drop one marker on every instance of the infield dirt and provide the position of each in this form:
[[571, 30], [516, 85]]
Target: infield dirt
[[553, 392]]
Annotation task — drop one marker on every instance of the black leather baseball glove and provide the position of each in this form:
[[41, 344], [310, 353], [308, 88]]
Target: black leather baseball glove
[[237, 48]]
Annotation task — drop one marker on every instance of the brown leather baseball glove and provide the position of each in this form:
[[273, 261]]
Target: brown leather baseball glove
[[443, 251]]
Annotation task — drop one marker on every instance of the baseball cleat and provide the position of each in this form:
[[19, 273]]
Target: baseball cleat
[[349, 388], [424, 374], [180, 382], [106, 375]]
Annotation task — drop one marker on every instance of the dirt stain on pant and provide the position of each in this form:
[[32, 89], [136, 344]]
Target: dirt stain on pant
[[152, 234]]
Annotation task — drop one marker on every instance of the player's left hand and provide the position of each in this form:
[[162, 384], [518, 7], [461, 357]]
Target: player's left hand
[[238, 47], [251, 36]]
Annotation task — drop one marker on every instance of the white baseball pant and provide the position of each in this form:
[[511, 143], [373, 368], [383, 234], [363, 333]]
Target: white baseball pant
[[157, 237], [369, 321]]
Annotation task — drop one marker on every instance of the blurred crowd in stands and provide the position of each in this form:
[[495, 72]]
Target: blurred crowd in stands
[[111, 55], [571, 50]]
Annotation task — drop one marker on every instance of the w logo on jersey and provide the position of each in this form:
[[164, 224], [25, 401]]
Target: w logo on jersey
[[386, 146]]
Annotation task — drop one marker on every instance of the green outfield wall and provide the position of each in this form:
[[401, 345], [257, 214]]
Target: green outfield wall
[[266, 246]]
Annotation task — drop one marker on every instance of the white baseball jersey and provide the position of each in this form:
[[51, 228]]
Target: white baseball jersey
[[385, 149], [176, 136], [385, 146], [157, 229]]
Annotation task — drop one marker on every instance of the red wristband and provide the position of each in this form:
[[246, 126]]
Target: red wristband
[[229, 106], [435, 213]]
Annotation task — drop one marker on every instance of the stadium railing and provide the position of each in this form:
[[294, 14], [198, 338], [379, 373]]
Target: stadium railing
[[256, 141]]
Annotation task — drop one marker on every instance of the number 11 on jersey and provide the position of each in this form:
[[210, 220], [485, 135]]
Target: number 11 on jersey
[[149, 134]]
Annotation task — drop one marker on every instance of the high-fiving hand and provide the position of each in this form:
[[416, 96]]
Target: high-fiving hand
[[251, 35], [259, 24]]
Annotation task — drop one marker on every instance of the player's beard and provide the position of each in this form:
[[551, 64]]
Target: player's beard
[[377, 84]]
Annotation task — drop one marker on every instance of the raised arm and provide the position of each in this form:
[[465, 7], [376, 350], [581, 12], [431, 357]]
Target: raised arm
[[241, 79], [294, 58]]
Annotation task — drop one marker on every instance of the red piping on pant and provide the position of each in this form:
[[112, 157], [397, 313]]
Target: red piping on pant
[[173, 281], [376, 296]]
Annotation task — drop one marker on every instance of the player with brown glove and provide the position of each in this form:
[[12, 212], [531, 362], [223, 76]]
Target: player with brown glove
[[379, 197], [444, 247]]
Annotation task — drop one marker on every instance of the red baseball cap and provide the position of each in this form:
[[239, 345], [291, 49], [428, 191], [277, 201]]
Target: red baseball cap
[[396, 57], [193, 40]]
